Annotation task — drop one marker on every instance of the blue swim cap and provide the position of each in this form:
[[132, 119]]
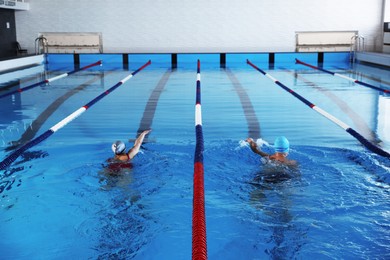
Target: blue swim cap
[[118, 147], [281, 144]]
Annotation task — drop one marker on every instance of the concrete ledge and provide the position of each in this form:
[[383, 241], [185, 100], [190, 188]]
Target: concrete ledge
[[16, 74], [12, 64], [377, 58]]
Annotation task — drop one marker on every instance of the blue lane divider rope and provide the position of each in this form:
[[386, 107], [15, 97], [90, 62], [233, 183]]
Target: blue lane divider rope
[[47, 81], [13, 156], [342, 76], [370, 146], [199, 243]]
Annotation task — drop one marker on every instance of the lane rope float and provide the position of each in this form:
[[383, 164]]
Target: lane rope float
[[47, 81], [199, 244], [351, 113], [343, 76], [370, 146], [37, 123], [13, 156]]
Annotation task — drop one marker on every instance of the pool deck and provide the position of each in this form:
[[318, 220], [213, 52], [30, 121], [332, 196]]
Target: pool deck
[[20, 62], [376, 58]]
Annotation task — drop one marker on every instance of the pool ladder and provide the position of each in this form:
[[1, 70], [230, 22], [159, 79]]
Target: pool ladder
[[41, 45], [357, 44]]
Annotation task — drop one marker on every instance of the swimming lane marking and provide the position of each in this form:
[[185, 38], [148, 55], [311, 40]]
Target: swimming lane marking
[[249, 111], [343, 76], [47, 81], [199, 244], [335, 120], [13, 156]]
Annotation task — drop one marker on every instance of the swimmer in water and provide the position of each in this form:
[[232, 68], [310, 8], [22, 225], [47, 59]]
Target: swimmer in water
[[117, 171], [281, 146], [119, 148]]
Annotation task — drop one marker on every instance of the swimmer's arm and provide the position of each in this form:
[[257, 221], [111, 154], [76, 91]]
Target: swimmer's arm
[[255, 149], [137, 144]]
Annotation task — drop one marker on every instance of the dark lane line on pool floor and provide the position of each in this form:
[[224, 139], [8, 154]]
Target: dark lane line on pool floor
[[364, 84], [14, 155], [47, 81], [32, 130], [370, 146], [376, 79], [151, 105], [249, 112], [355, 117], [365, 75]]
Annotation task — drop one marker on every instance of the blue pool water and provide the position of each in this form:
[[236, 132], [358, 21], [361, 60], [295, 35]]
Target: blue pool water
[[57, 201]]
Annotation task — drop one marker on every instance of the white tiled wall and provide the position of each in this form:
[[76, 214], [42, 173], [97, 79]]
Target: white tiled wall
[[201, 25]]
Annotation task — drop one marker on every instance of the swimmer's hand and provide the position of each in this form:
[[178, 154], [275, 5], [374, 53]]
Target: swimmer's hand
[[146, 132], [254, 147], [137, 144], [249, 140], [252, 143]]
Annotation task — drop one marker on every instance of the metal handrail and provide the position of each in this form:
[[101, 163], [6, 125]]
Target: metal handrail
[[41, 47], [357, 44]]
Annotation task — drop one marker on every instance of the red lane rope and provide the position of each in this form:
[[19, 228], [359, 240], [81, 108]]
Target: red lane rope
[[199, 243]]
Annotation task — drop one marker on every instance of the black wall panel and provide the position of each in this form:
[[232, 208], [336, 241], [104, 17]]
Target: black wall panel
[[7, 33]]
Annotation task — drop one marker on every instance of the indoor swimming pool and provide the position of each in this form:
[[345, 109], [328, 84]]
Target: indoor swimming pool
[[60, 200]]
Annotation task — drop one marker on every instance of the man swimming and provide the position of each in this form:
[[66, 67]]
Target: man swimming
[[281, 146], [119, 148]]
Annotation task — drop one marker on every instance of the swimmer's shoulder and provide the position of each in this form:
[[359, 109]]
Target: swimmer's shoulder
[[285, 161], [121, 158]]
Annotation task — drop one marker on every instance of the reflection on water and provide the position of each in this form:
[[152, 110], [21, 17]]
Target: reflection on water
[[273, 189], [8, 178], [123, 223], [275, 172], [116, 174]]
